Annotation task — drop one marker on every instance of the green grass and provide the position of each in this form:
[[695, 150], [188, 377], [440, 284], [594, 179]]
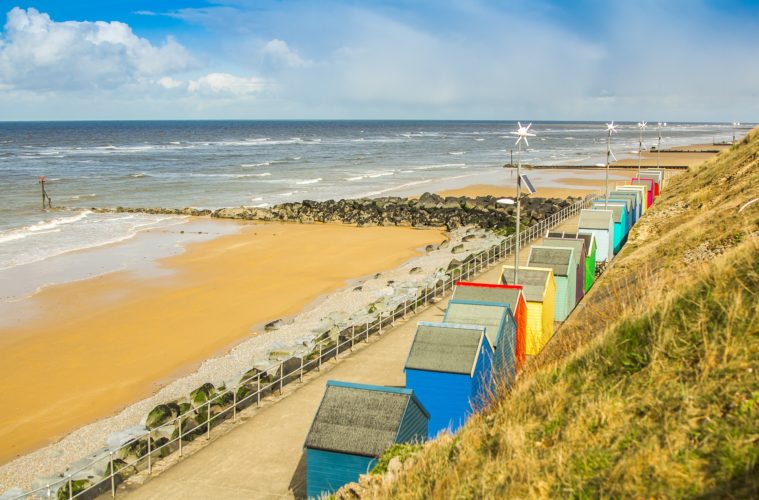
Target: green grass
[[652, 388]]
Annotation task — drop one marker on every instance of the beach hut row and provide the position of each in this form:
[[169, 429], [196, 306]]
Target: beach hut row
[[488, 330]]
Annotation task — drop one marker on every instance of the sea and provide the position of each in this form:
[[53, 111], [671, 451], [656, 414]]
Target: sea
[[213, 164]]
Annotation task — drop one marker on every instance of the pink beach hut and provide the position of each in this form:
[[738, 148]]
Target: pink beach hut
[[649, 185]]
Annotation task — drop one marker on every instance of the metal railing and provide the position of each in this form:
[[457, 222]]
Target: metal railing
[[88, 481]]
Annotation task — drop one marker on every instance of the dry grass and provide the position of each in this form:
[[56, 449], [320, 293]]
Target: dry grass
[[651, 388]]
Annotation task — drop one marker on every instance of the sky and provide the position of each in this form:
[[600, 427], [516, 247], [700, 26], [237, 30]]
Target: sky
[[655, 60]]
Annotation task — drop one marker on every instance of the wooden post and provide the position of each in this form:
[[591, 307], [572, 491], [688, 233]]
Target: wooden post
[[42, 184]]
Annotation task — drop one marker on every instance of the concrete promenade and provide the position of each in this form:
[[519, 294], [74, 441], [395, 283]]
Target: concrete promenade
[[262, 457]]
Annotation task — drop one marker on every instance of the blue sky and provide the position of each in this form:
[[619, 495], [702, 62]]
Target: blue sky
[[446, 59]]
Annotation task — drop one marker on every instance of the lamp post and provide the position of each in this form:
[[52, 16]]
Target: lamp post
[[641, 126], [610, 128]]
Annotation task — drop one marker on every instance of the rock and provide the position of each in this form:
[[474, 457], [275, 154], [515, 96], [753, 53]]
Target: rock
[[202, 394], [429, 248], [358, 288], [415, 270], [468, 237], [273, 325], [444, 244], [458, 248], [454, 264], [161, 414]]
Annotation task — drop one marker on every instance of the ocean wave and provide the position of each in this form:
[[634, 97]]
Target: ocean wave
[[254, 165], [309, 181], [80, 196], [440, 165], [139, 175], [456, 153], [42, 227]]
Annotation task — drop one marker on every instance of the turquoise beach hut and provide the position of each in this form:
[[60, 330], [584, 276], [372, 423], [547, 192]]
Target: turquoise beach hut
[[635, 210], [627, 213], [640, 192], [620, 223], [499, 322], [600, 224], [563, 262], [449, 369], [353, 426]]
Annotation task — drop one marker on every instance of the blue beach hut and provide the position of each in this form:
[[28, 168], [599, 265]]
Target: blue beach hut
[[626, 215], [498, 320], [353, 426], [449, 369]]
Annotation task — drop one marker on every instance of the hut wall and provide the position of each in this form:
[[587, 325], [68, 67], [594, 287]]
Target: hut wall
[[413, 426], [604, 245], [549, 304], [590, 269], [535, 325], [521, 323], [445, 396], [328, 471], [561, 309]]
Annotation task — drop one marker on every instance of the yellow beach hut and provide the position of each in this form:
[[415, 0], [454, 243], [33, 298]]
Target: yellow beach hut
[[539, 289]]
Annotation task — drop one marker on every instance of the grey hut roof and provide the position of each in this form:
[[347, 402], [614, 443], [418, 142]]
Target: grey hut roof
[[486, 294], [444, 347], [616, 209], [587, 238], [532, 279], [641, 182], [628, 195], [359, 419], [654, 176], [576, 244], [558, 259], [595, 219], [488, 315], [621, 199]]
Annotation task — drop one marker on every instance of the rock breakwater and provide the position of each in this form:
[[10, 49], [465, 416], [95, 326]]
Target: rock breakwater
[[429, 210]]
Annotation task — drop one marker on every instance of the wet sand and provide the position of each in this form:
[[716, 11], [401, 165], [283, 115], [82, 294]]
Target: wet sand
[[106, 342]]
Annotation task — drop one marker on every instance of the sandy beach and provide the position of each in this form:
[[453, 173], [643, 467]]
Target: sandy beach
[[106, 342]]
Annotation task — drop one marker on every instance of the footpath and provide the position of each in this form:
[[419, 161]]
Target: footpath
[[262, 456]]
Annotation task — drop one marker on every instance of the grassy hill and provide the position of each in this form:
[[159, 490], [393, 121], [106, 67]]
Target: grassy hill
[[651, 388]]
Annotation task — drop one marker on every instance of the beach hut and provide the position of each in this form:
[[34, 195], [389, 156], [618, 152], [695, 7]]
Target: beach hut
[[599, 223], [659, 174], [578, 245], [353, 426], [640, 191], [632, 198], [563, 262], [620, 222], [649, 185], [626, 205], [539, 288], [590, 258], [510, 295], [654, 175], [449, 369]]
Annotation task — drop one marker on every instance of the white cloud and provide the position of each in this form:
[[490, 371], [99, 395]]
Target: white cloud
[[279, 52], [226, 84], [168, 82], [39, 54]]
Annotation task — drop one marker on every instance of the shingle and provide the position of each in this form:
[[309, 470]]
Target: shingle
[[486, 294], [595, 219], [615, 207], [533, 281], [449, 349], [357, 421], [489, 316], [558, 259]]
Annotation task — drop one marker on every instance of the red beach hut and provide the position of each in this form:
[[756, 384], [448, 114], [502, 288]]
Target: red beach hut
[[649, 184], [513, 295]]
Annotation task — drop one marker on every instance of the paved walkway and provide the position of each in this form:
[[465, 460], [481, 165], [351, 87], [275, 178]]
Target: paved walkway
[[262, 457]]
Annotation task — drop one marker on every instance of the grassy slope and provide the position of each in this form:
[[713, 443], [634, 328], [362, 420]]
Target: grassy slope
[[652, 387]]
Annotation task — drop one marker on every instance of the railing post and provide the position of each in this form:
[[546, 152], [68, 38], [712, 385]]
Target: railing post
[[353, 336], [379, 318], [48, 491], [113, 477], [71, 488], [366, 333], [150, 456], [180, 435], [301, 369], [281, 376], [234, 405], [208, 420], [320, 357], [258, 391]]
